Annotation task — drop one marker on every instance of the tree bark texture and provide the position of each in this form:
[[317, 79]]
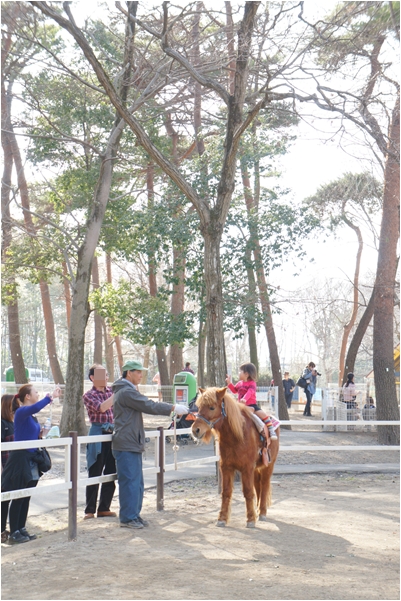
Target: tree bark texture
[[177, 307], [12, 304], [110, 339], [31, 231], [383, 322], [50, 333], [348, 327], [67, 293], [160, 350], [108, 346], [201, 354], [357, 338], [73, 417], [252, 206], [98, 327], [215, 353]]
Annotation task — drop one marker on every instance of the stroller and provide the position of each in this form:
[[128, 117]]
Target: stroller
[[185, 421]]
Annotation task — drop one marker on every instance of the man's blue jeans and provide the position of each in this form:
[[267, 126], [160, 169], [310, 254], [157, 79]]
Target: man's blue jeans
[[130, 484]]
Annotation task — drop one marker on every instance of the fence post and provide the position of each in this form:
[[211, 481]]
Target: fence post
[[160, 475], [73, 492]]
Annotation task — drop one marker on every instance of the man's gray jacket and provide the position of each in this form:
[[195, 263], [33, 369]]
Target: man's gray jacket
[[128, 406]]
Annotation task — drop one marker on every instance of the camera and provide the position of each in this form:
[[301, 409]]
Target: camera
[[317, 373]]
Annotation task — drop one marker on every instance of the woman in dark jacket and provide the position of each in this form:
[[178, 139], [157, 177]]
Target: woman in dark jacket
[[22, 469], [8, 406]]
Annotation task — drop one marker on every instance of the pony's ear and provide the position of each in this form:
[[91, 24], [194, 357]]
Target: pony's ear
[[220, 392], [202, 390]]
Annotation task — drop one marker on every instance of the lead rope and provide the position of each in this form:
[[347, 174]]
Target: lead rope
[[175, 446]]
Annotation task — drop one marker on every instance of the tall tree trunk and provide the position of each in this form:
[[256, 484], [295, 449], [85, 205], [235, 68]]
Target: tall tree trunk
[[12, 301], [252, 208], [160, 350], [110, 339], [216, 354], [50, 333], [98, 326], [201, 354], [177, 307], [73, 417], [358, 336], [67, 293], [178, 292], [230, 48], [108, 346], [250, 309], [44, 287], [383, 323], [348, 327], [146, 357], [120, 356]]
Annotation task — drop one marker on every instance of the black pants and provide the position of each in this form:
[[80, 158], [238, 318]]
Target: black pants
[[19, 510], [309, 396], [105, 464], [288, 400], [4, 514]]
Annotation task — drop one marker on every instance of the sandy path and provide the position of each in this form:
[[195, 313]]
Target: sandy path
[[328, 537]]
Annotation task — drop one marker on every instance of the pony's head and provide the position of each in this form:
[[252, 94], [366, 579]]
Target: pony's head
[[214, 406]]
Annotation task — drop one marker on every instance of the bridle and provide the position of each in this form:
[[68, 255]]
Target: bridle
[[213, 423]]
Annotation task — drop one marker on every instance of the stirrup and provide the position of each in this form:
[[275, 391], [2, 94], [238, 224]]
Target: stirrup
[[265, 456]]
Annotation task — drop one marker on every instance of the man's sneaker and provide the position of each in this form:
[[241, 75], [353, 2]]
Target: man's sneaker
[[272, 434], [5, 535], [25, 532], [143, 522], [134, 524], [16, 538]]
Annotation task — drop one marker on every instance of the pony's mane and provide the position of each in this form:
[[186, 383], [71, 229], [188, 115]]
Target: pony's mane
[[232, 408]]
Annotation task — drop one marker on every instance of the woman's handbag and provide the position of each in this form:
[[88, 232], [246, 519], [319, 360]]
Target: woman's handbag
[[302, 383], [42, 458]]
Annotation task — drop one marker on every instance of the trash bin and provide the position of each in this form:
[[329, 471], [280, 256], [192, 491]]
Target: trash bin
[[184, 388], [10, 375]]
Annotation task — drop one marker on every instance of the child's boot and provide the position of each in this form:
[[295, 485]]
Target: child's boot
[[272, 434]]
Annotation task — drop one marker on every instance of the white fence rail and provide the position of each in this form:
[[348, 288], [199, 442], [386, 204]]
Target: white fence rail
[[73, 478]]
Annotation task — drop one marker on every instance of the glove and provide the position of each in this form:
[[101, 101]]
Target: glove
[[180, 409]]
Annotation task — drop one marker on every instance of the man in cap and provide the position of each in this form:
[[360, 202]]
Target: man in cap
[[129, 440]]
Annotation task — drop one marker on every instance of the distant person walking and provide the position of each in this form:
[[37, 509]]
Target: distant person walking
[[188, 368], [157, 380], [289, 387], [310, 374]]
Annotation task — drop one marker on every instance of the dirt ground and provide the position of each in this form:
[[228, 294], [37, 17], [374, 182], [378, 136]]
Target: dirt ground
[[328, 536]]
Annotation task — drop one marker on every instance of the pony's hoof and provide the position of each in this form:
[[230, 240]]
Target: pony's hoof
[[250, 524], [263, 518], [221, 524]]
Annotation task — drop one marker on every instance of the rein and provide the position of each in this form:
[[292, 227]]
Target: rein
[[212, 424]]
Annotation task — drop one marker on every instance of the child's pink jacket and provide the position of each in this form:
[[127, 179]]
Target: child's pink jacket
[[245, 390]]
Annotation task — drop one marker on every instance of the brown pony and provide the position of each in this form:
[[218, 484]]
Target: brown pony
[[231, 422]]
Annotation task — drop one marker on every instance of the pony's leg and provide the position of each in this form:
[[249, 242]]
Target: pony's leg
[[257, 485], [226, 494], [265, 491], [248, 491]]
